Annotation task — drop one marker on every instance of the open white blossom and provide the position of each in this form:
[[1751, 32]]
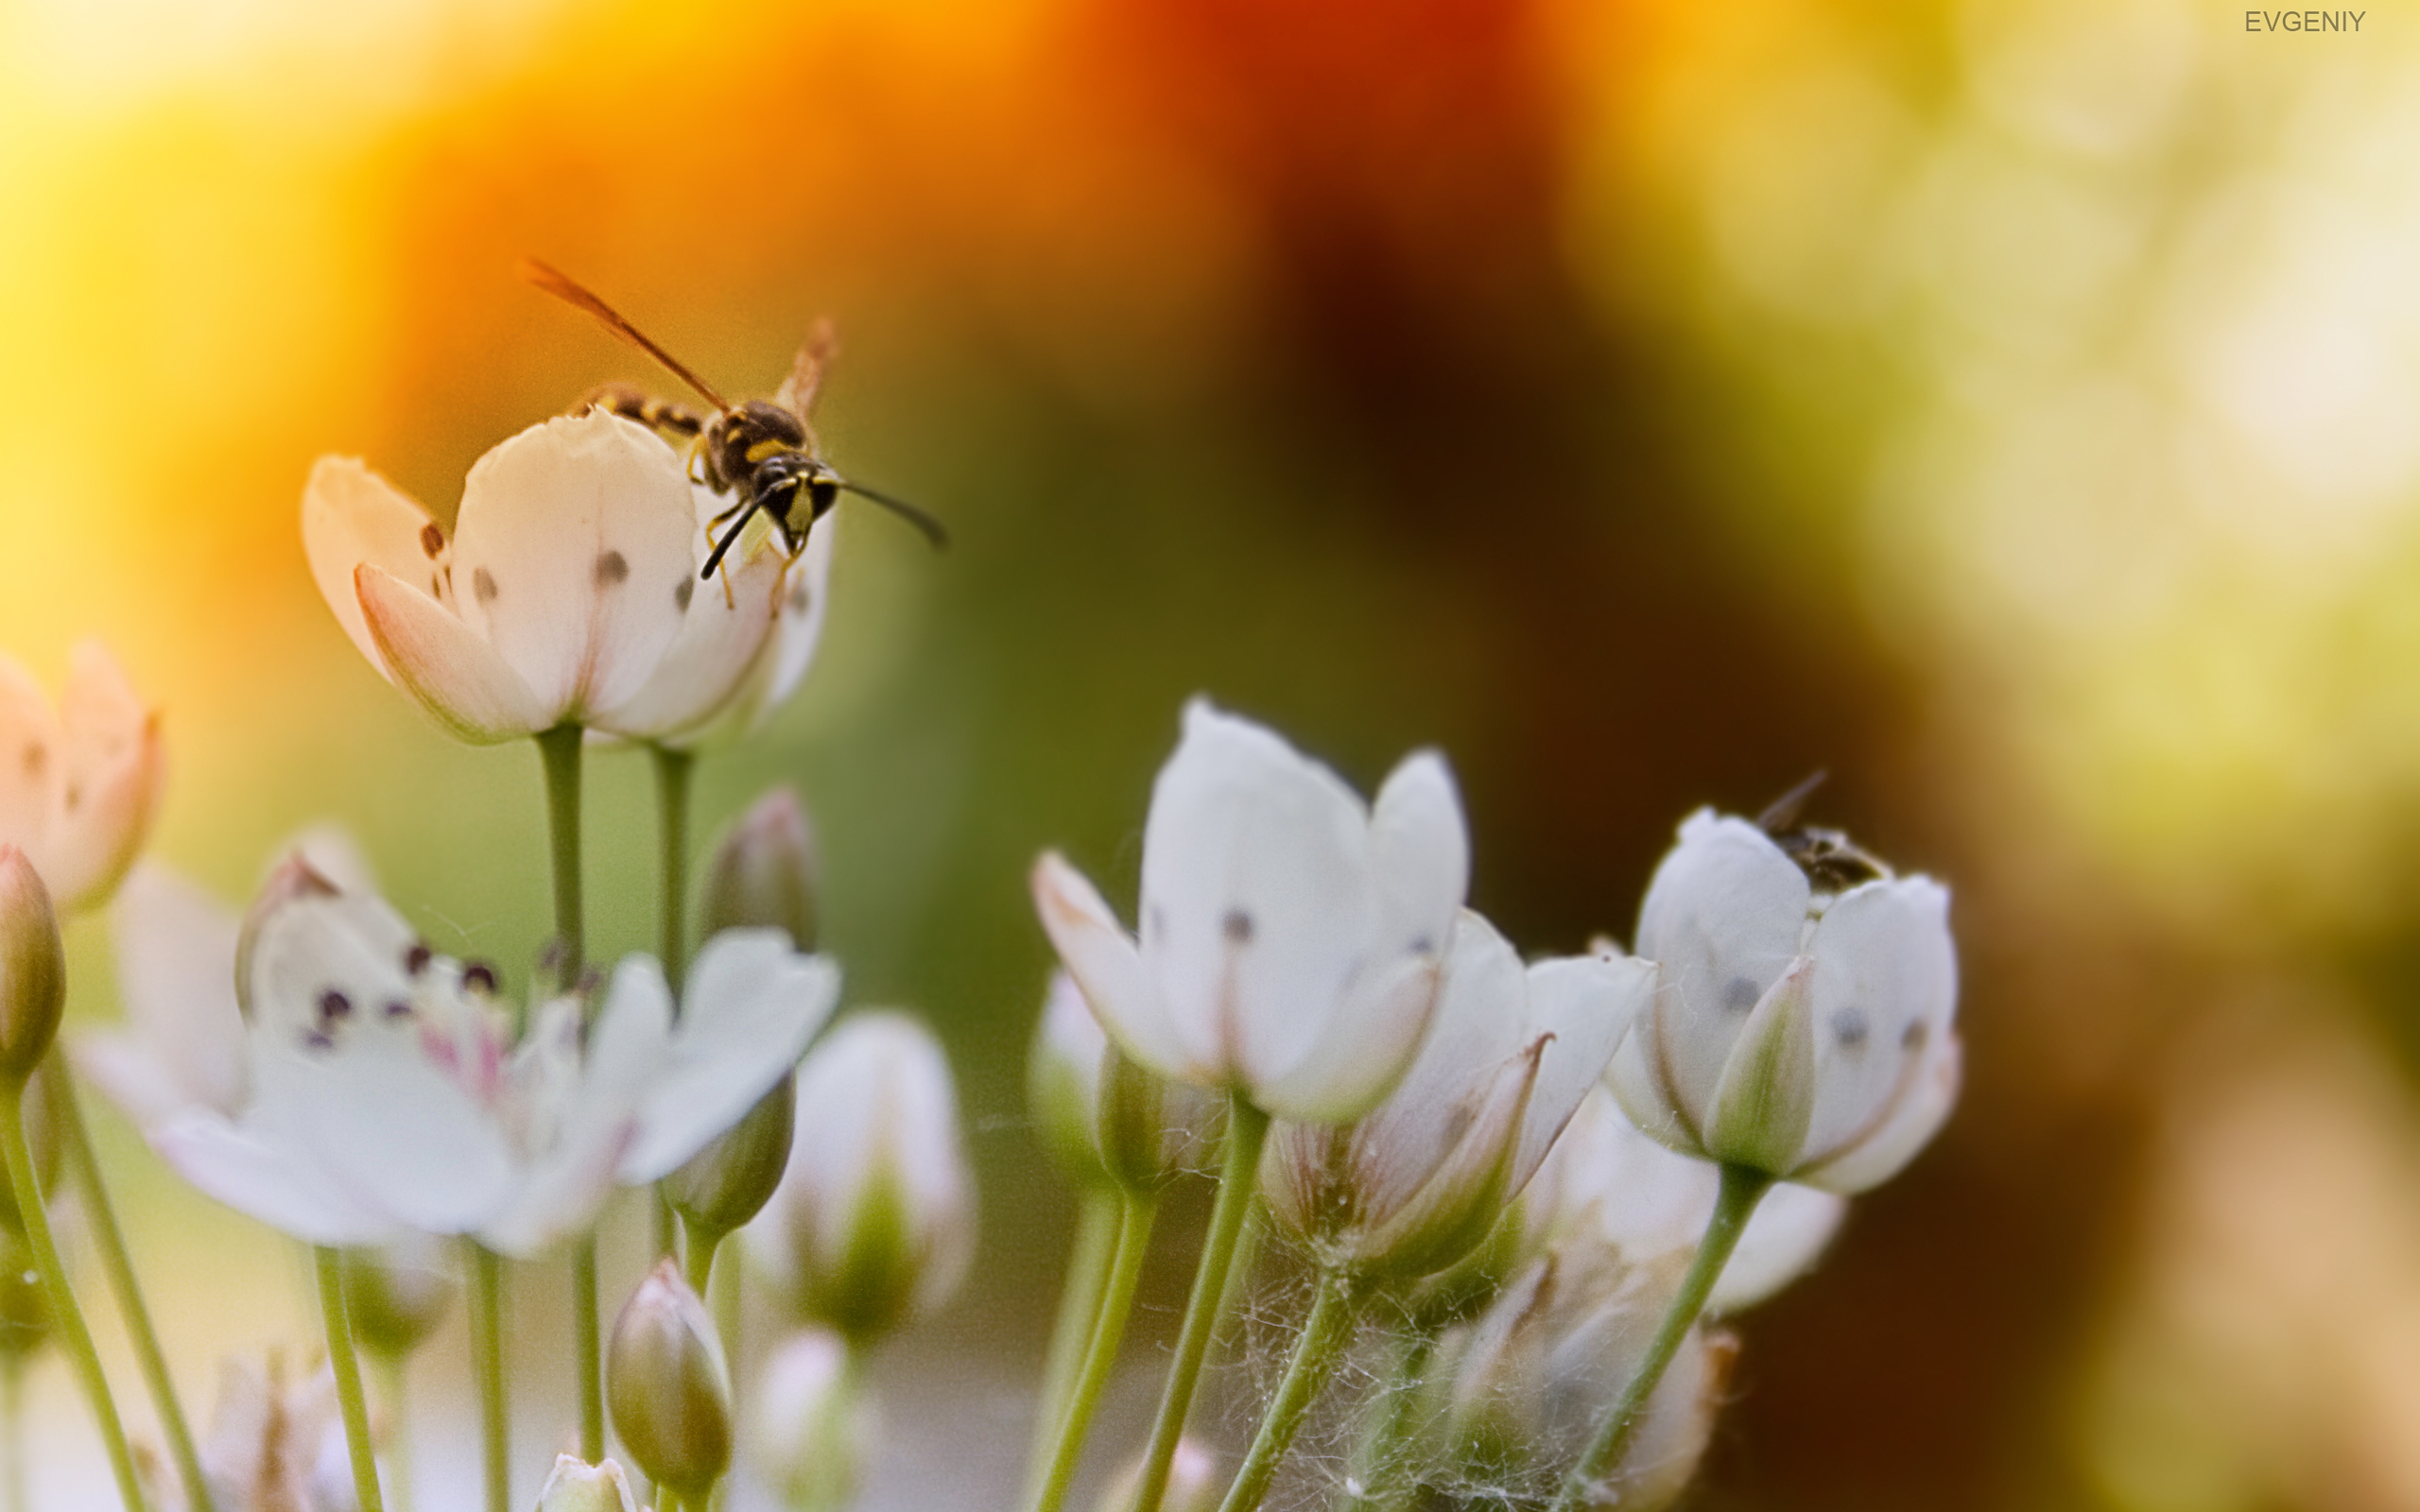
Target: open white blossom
[[389, 1092], [1803, 1024], [78, 784], [1290, 934], [568, 593], [1414, 1184], [1605, 1180]]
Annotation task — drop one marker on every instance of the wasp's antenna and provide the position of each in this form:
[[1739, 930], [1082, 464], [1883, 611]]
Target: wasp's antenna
[[1782, 813], [729, 539], [934, 530], [562, 287]]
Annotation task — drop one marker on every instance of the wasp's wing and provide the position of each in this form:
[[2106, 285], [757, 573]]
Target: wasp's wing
[[797, 391], [564, 288]]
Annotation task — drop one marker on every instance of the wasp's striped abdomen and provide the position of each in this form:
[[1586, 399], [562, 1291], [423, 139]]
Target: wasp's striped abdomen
[[661, 416]]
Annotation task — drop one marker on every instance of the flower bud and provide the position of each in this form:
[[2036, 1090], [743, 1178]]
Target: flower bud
[[725, 1184], [33, 971], [762, 873], [874, 1222], [666, 1384], [576, 1487], [397, 1295], [1193, 1483], [1803, 1023], [814, 1434], [1101, 1112]]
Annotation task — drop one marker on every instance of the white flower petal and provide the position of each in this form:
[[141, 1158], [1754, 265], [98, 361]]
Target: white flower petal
[[1640, 1078], [444, 664], [805, 599], [727, 629], [1103, 961], [256, 1171], [1364, 1045], [1259, 906], [1420, 851], [176, 967], [571, 549], [1722, 918], [752, 1005], [1885, 989], [352, 516], [1912, 1125], [32, 763], [112, 775], [1785, 1237], [1587, 1003]]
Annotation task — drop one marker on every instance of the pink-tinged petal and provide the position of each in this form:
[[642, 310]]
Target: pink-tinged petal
[[1587, 1003], [1420, 851], [115, 771], [1722, 918], [1885, 989], [352, 516], [751, 1005], [259, 1173], [32, 763], [176, 968], [1260, 911], [455, 675], [572, 558], [1362, 1051], [1107, 967]]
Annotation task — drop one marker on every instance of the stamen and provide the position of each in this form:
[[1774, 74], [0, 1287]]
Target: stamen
[[334, 1006], [416, 958], [479, 977]]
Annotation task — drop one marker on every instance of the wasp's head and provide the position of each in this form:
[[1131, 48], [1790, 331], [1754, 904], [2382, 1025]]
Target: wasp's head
[[741, 439]]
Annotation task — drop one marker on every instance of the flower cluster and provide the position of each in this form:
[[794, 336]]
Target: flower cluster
[[1525, 1196]]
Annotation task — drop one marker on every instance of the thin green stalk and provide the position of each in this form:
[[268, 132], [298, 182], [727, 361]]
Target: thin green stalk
[[1079, 1307], [1378, 1463], [74, 1337], [1247, 1130], [558, 751], [590, 1341], [1108, 1328], [1317, 1353], [1237, 1292], [12, 1425], [486, 1354], [396, 1389], [697, 1265], [672, 772], [117, 1263], [1742, 1189], [346, 1366]]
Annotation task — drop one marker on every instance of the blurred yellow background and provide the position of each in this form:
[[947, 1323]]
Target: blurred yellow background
[[2013, 407]]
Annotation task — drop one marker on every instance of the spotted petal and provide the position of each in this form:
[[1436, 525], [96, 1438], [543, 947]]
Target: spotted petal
[[352, 517]]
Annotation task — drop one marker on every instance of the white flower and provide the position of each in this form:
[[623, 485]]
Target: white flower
[[568, 593], [272, 1445], [1290, 935], [873, 1223], [78, 786], [1606, 1181], [1805, 1031], [1418, 1181], [389, 1094]]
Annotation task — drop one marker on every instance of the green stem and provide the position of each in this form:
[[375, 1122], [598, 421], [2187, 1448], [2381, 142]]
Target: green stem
[[1247, 1130], [1079, 1306], [558, 751], [117, 1263], [346, 1366], [1108, 1328], [590, 1347], [12, 1425], [1317, 1353], [697, 1265], [1237, 1292], [72, 1335], [1742, 1189], [672, 771], [396, 1389], [486, 1354]]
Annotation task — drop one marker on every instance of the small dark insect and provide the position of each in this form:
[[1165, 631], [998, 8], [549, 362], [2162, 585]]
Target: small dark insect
[[763, 450], [1827, 857]]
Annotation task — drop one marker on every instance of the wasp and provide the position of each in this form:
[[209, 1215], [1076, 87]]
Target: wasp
[[763, 451]]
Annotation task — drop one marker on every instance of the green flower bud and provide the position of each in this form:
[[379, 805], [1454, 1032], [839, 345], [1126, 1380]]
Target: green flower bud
[[576, 1487], [1100, 1111], [666, 1384], [724, 1185], [33, 971], [814, 1434], [762, 873], [398, 1295]]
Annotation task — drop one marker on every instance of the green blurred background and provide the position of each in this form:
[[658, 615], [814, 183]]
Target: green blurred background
[[2010, 408]]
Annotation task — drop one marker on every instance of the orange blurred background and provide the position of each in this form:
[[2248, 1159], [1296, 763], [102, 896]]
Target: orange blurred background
[[2006, 406]]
